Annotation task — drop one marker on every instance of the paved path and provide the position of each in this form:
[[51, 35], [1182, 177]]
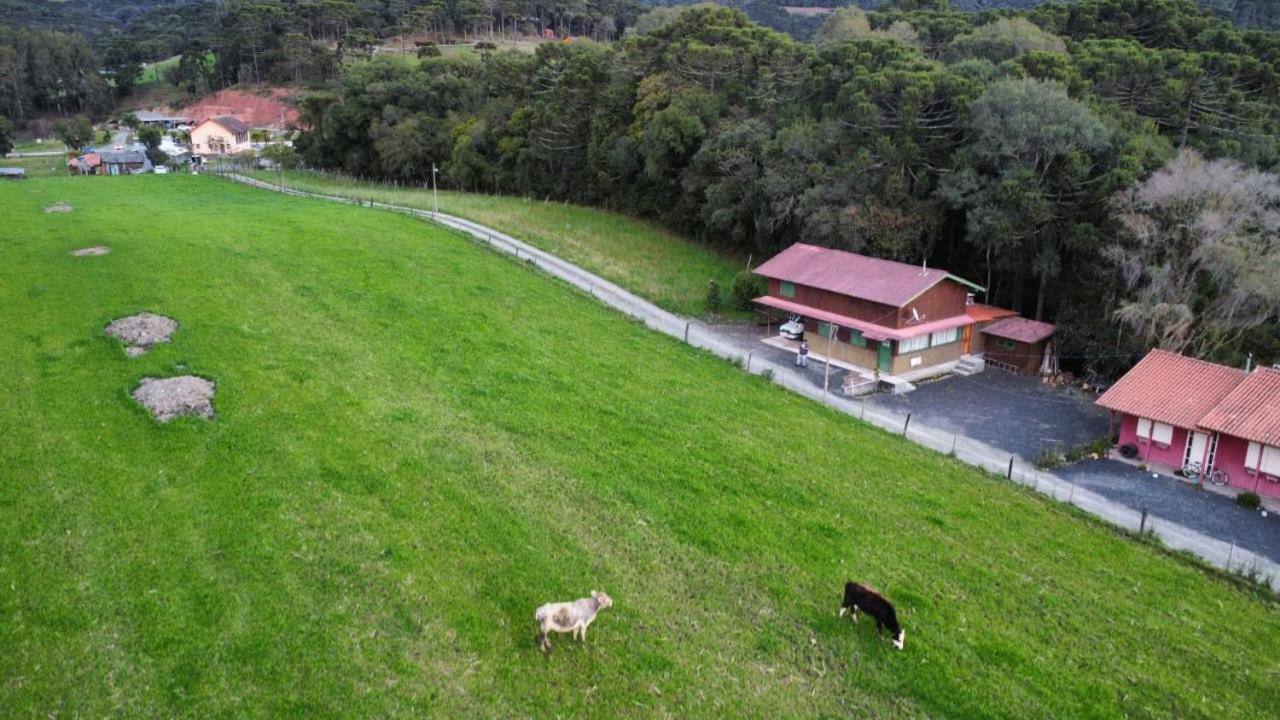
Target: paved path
[[967, 449]]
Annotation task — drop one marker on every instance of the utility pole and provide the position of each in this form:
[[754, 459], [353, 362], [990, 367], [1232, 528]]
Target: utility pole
[[826, 372], [435, 197]]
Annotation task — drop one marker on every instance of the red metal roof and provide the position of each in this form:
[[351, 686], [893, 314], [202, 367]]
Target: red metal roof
[[1172, 389], [1020, 329], [1251, 411], [983, 313], [869, 330], [882, 281]]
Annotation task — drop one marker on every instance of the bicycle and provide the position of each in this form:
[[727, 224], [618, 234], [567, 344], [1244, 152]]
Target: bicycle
[[1215, 476]]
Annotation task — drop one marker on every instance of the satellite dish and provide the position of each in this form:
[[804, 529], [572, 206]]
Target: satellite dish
[[915, 315]]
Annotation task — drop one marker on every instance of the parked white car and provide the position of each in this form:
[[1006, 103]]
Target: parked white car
[[792, 329]]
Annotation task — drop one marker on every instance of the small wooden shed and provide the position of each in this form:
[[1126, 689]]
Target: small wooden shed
[[1017, 344]]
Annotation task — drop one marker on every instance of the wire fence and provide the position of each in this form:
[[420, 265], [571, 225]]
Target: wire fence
[[1225, 555]]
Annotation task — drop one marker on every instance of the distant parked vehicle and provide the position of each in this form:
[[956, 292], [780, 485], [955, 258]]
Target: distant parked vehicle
[[792, 329], [161, 170]]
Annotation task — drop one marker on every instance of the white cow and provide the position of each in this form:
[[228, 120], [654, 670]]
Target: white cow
[[571, 617]]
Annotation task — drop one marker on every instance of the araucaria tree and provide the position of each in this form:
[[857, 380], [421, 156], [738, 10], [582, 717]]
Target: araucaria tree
[[1201, 255]]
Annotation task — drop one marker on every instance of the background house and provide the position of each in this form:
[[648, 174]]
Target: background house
[[224, 135], [1177, 410]]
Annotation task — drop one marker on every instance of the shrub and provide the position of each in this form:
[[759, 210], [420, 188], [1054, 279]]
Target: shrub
[[427, 50], [1050, 459], [483, 46], [713, 296], [1250, 500], [745, 287]]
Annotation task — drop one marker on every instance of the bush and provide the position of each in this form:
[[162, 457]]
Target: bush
[[1250, 500], [1050, 459], [485, 46], [713, 296], [746, 286], [427, 50]]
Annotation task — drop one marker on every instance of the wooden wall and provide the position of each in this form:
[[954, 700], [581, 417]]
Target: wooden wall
[[1024, 356]]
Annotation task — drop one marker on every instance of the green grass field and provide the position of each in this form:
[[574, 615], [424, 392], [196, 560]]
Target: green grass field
[[47, 145], [650, 261], [43, 166], [154, 72], [418, 441]]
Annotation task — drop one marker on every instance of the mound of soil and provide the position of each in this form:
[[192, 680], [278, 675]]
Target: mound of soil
[[95, 250], [139, 332], [168, 398], [59, 208]]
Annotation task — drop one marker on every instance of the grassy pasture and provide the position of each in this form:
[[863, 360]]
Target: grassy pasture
[[418, 441], [648, 260], [42, 166]]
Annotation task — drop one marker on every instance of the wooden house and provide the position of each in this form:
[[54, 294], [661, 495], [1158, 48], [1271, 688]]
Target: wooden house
[[1016, 344], [904, 320]]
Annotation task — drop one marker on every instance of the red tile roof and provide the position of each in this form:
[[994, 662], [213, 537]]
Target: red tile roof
[[1172, 389], [882, 281], [870, 330], [984, 313], [1251, 411], [1020, 329]]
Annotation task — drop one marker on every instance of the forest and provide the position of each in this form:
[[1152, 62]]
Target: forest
[[1032, 152]]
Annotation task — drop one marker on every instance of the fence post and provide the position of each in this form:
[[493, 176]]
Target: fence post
[[1231, 554], [1142, 524], [906, 424], [953, 444], [1072, 496], [749, 354], [1009, 474], [686, 333]]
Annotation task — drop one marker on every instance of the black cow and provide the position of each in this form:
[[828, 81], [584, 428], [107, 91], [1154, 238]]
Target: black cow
[[872, 602]]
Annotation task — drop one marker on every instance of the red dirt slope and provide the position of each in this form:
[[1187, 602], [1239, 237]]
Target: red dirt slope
[[255, 110]]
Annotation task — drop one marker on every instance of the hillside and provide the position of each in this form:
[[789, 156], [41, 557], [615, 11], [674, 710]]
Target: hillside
[[418, 441]]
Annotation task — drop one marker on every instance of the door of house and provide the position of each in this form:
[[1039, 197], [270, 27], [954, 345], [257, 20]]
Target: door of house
[[885, 358], [968, 338], [1201, 448]]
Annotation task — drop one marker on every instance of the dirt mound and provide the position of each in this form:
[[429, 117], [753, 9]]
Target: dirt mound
[[168, 398], [139, 332], [59, 208], [95, 250], [273, 111]]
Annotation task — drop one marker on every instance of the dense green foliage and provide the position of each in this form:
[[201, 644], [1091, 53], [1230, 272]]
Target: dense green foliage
[[990, 148], [419, 441], [49, 72]]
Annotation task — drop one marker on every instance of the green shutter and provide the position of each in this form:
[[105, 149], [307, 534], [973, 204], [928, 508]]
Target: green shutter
[[824, 329], [856, 338], [786, 289]]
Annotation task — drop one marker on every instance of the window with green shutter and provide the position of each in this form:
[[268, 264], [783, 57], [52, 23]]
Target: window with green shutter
[[1006, 344], [786, 289], [856, 339], [824, 329]]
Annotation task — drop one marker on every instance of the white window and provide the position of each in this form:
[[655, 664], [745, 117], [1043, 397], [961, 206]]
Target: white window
[[942, 337], [1262, 457], [914, 344], [1157, 432]]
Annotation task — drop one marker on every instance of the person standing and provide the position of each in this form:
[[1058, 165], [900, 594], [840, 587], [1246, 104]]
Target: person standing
[[802, 358]]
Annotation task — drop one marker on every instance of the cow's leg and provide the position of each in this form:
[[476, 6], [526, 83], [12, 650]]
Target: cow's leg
[[584, 632]]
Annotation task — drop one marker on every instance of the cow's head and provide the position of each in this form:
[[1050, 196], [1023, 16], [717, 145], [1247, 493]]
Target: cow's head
[[602, 600], [851, 592]]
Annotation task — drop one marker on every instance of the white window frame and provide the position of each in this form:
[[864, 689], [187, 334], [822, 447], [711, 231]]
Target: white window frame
[[1259, 458], [1144, 429], [944, 337], [1155, 431], [915, 344]]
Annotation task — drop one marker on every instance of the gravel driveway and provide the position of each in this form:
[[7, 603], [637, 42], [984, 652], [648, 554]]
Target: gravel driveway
[[1013, 413], [1169, 498]]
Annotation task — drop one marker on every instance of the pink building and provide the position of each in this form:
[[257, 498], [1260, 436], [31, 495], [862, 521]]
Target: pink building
[[1177, 410]]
